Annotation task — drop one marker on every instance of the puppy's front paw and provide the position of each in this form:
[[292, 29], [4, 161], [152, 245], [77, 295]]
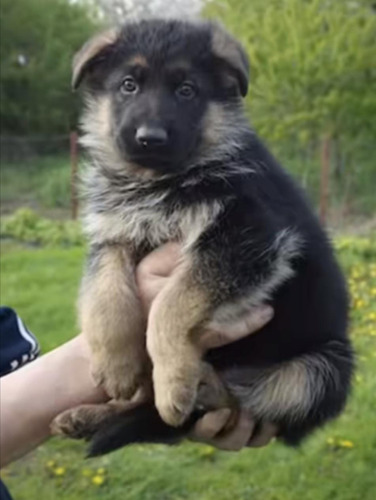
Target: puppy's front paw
[[175, 394], [120, 376]]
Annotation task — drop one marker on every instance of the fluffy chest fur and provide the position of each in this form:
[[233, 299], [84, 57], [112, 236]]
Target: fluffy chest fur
[[134, 213]]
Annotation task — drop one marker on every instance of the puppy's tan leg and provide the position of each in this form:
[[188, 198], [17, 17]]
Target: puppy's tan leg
[[112, 320], [175, 321]]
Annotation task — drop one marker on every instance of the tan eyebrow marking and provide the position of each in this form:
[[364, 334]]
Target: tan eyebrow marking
[[138, 60]]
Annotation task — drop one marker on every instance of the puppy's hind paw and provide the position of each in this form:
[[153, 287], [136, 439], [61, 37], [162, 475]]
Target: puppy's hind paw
[[81, 422]]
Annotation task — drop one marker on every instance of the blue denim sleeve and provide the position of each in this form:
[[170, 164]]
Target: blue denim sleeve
[[17, 347], [4, 494], [17, 344]]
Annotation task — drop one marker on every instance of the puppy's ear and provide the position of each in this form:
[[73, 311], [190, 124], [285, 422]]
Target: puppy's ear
[[228, 50], [91, 52]]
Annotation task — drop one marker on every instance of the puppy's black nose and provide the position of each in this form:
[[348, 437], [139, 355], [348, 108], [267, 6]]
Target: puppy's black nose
[[151, 136]]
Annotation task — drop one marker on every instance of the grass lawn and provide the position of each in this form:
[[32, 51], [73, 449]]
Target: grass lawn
[[337, 463]]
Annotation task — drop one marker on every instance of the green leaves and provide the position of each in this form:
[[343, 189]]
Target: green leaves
[[311, 64], [38, 40], [28, 227], [313, 75]]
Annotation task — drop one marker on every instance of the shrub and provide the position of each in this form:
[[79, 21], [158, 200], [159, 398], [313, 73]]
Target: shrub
[[26, 226]]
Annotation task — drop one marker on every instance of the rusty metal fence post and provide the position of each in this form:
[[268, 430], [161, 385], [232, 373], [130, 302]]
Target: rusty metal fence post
[[74, 164]]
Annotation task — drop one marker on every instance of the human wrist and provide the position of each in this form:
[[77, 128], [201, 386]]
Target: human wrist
[[74, 379]]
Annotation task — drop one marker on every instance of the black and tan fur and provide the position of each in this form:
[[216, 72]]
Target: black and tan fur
[[172, 157]]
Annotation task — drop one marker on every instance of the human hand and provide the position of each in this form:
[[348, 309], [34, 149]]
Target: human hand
[[152, 275]]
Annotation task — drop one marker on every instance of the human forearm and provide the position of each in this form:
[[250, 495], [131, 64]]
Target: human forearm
[[33, 396]]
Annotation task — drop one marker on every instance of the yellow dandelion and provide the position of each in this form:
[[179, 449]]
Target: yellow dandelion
[[51, 463], [207, 451], [372, 316], [330, 441], [359, 304], [345, 443], [59, 471], [101, 471], [98, 480], [373, 291]]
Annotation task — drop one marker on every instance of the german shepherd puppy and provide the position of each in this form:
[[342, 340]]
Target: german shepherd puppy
[[173, 158]]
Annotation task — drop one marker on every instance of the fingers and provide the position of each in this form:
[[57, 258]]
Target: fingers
[[211, 424], [148, 289], [152, 275], [266, 433], [219, 335], [153, 272], [211, 429], [238, 437], [160, 262]]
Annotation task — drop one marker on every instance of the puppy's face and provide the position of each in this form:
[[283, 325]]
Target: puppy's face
[[166, 85], [158, 109]]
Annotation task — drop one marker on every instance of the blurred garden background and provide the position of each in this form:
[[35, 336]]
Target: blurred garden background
[[312, 98]]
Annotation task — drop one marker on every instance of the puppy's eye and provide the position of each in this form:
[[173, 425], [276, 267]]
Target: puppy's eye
[[186, 90], [129, 86]]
